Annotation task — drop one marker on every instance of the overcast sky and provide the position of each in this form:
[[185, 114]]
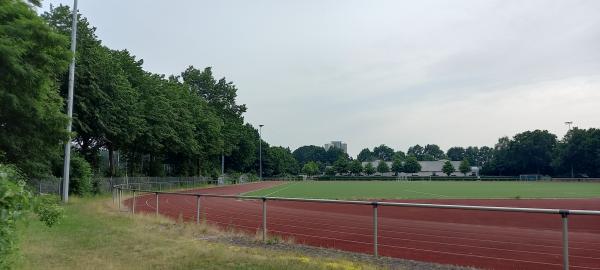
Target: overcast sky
[[453, 73]]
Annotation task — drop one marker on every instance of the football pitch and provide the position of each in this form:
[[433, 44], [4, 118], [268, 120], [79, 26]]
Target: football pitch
[[357, 190]]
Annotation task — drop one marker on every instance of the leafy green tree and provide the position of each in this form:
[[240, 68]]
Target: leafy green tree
[[464, 167], [365, 155], [416, 151], [399, 155], [32, 57], [310, 168], [341, 165], [283, 161], [383, 152], [578, 154], [448, 169], [456, 153], [397, 166], [355, 167], [369, 169], [382, 167], [433, 151], [411, 165], [308, 153], [330, 171]]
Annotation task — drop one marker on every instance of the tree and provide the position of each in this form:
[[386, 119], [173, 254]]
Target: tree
[[308, 153], [448, 169], [416, 151], [32, 58], [578, 153], [329, 171], [355, 167], [464, 167], [455, 153], [283, 161], [397, 166], [411, 165], [341, 165], [310, 168], [433, 152], [383, 152], [369, 169], [365, 155], [382, 167], [399, 155]]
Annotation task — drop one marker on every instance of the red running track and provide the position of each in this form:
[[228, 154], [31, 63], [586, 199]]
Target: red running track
[[490, 240]]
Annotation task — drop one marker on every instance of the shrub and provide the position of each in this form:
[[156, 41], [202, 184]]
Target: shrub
[[14, 202], [81, 176]]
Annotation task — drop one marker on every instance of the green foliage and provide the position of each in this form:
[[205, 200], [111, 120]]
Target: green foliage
[[310, 168], [80, 182], [282, 161], [383, 152], [456, 153], [464, 167], [397, 166], [341, 165], [15, 200], [448, 169], [369, 169], [579, 153], [48, 210], [526, 153], [382, 167], [365, 155], [308, 153], [330, 171], [32, 56], [411, 165], [355, 167]]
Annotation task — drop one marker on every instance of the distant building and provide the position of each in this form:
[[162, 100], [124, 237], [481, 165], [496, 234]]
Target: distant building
[[336, 144], [428, 168]]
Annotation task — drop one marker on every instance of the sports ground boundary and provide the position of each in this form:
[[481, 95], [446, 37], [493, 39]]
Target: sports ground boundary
[[495, 240]]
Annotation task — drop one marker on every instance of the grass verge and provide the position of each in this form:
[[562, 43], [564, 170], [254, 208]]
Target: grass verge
[[94, 235]]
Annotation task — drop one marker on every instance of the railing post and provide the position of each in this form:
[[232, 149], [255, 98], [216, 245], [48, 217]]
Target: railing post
[[198, 209], [133, 202], [157, 204], [375, 246], [565, 238], [264, 221]]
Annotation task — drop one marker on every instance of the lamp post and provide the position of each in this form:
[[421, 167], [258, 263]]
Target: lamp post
[[67, 163], [260, 150]]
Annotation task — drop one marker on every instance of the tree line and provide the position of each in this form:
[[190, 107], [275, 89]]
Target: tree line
[[577, 154], [188, 121]]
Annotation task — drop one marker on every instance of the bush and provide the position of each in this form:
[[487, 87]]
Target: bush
[[48, 210], [14, 202], [81, 176]]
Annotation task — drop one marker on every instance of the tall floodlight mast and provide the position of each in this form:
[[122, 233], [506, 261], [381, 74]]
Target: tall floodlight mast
[[260, 150], [67, 164]]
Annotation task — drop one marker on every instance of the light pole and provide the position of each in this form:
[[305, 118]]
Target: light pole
[[569, 123], [67, 164], [260, 150]]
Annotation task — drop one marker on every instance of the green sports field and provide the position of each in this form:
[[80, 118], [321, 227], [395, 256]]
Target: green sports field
[[430, 190]]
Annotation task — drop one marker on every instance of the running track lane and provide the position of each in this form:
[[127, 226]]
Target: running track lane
[[490, 240]]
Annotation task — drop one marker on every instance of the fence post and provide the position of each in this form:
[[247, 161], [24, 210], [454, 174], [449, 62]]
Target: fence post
[[375, 246], [565, 237], [133, 202], [157, 204], [198, 209], [264, 221], [119, 197]]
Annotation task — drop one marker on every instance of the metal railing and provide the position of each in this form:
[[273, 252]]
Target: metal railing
[[563, 213]]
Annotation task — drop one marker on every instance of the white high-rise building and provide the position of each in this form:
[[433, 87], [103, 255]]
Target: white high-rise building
[[336, 144]]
